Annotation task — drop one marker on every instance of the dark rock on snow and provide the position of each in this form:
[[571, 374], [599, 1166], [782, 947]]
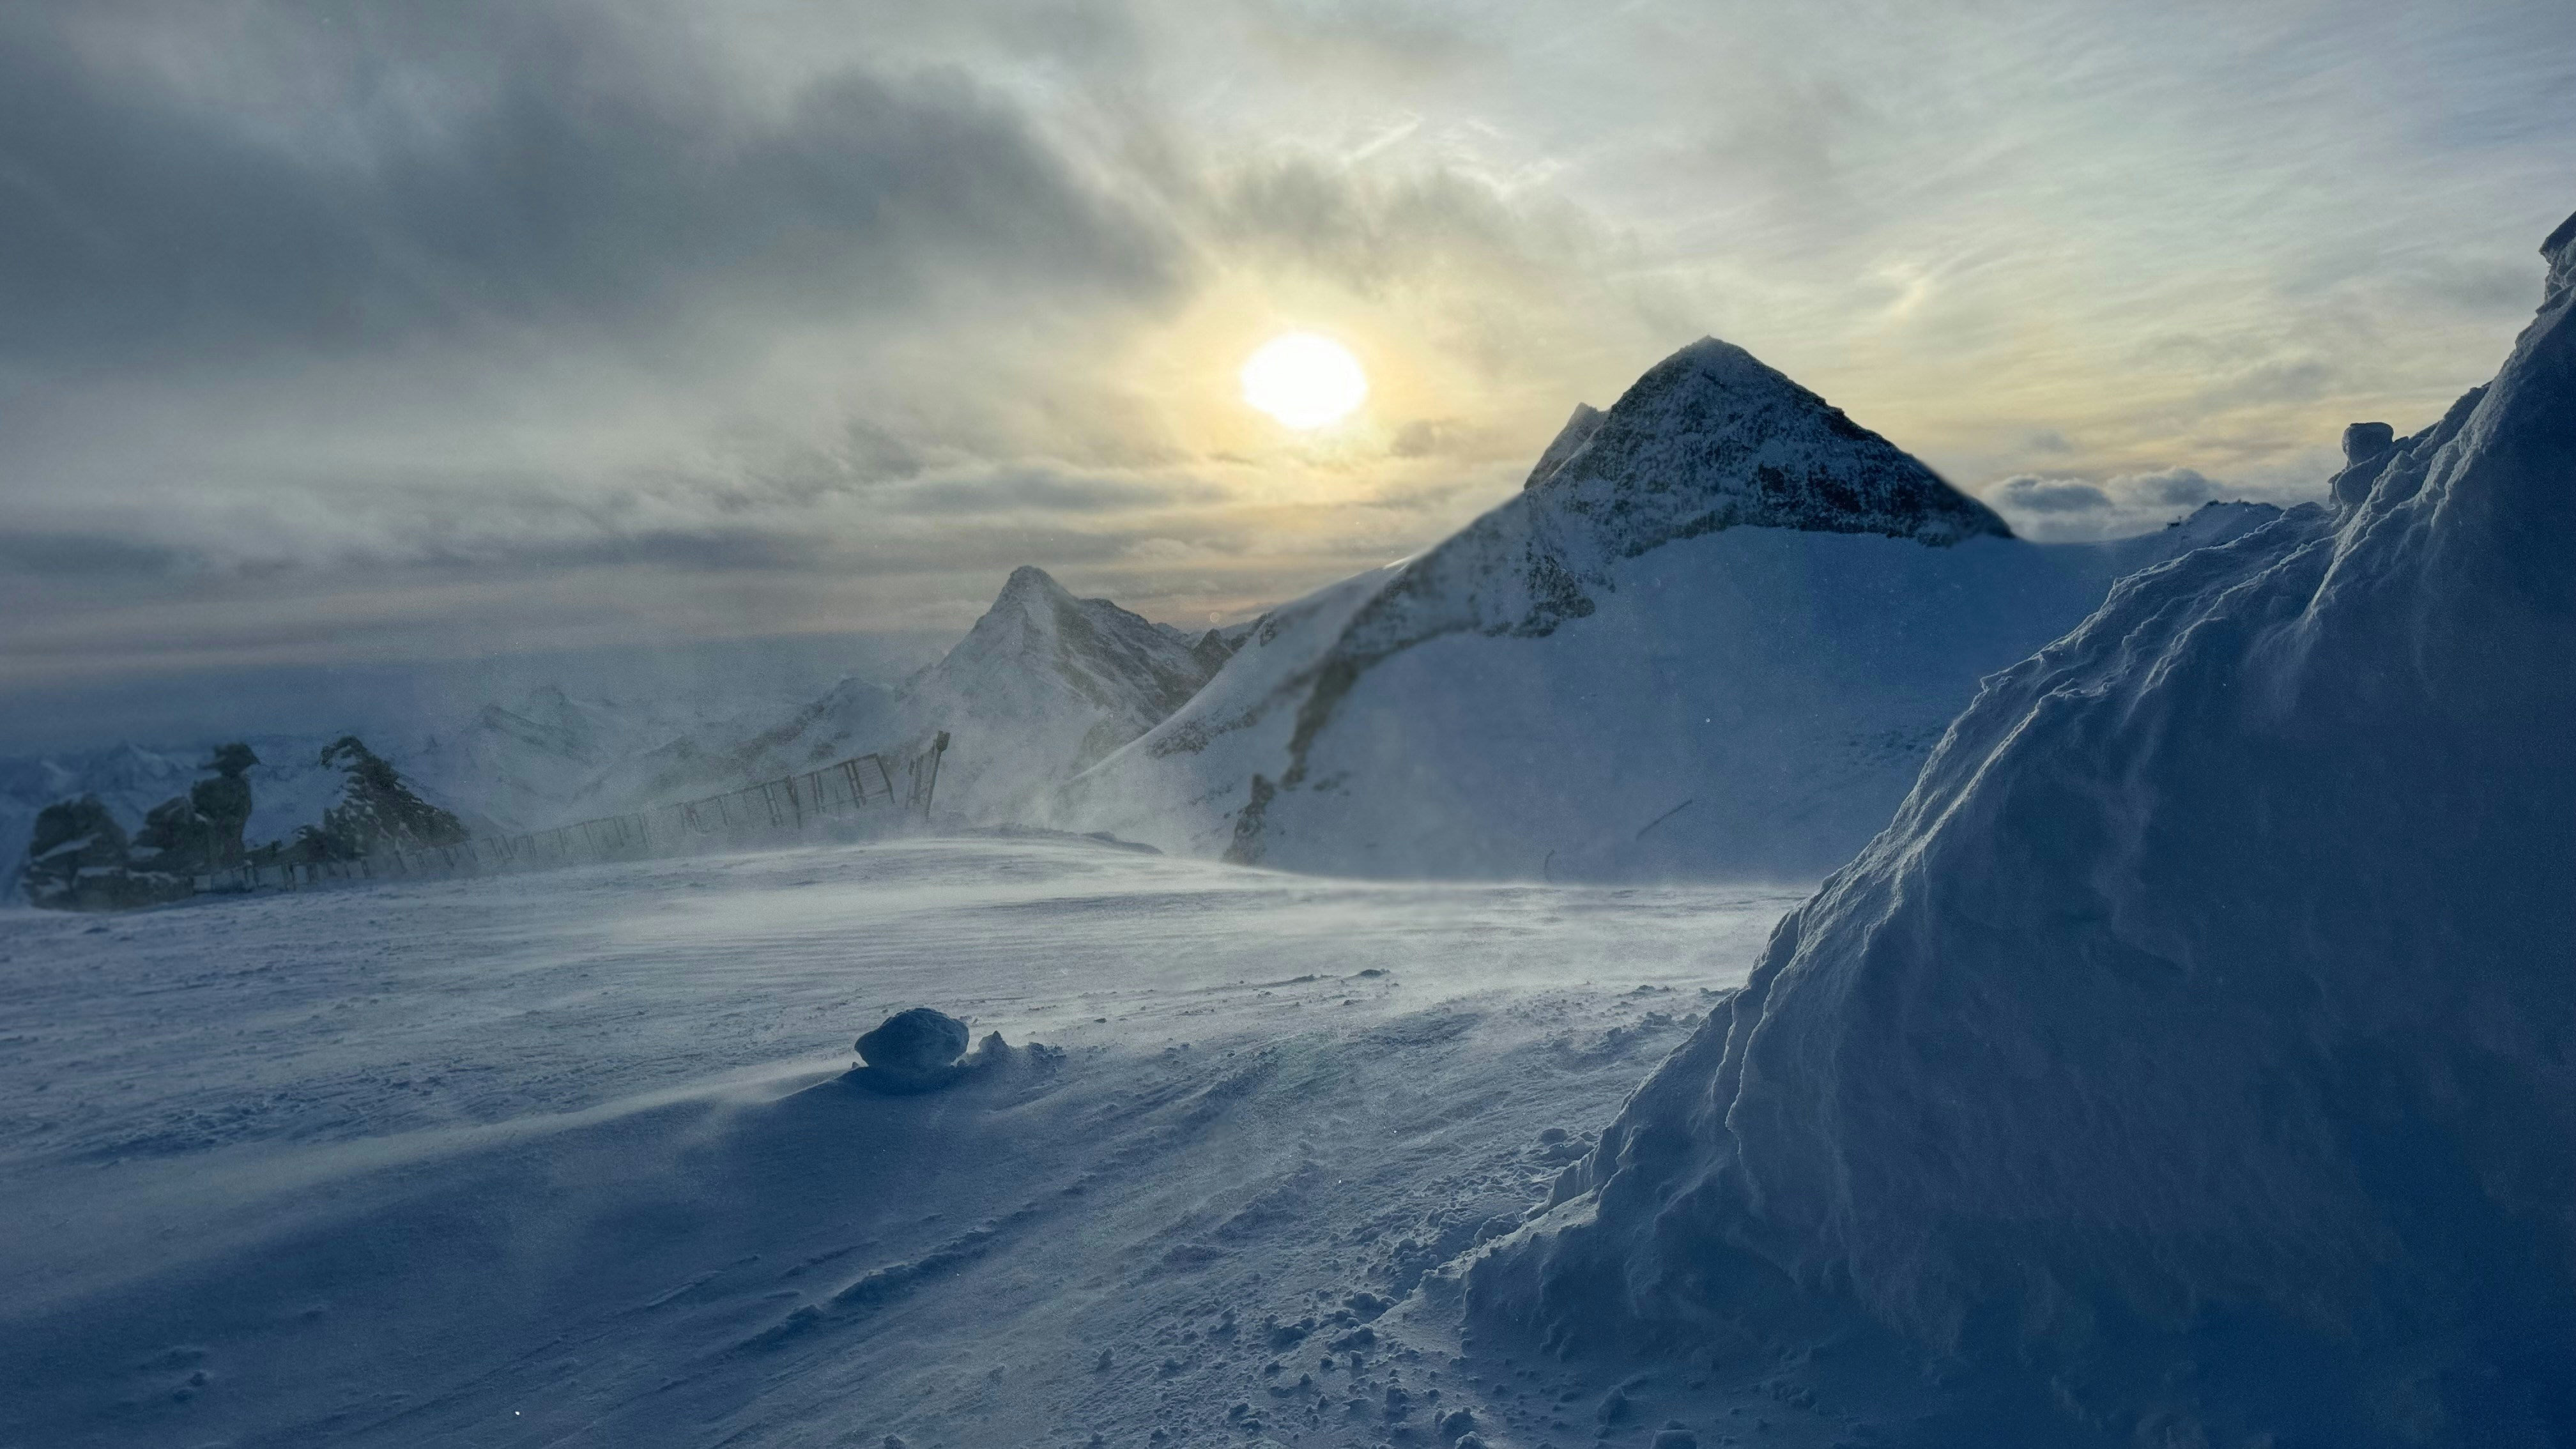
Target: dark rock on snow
[[918, 1040]]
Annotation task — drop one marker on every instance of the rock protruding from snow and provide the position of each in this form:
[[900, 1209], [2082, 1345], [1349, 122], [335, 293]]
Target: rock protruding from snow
[[202, 830], [915, 1040], [1711, 438], [2197, 1035], [2364, 445], [1707, 439], [78, 859], [2363, 442], [377, 810]]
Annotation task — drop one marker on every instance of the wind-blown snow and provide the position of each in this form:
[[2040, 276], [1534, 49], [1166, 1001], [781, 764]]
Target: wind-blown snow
[[2199, 1031], [562, 1158]]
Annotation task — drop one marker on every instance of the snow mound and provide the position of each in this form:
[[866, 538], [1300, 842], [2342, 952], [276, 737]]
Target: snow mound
[[2198, 1034], [1714, 637]]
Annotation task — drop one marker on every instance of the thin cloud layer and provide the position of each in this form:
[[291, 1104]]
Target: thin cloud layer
[[2057, 510], [478, 326]]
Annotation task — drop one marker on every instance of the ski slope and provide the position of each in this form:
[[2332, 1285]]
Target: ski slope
[[561, 1159]]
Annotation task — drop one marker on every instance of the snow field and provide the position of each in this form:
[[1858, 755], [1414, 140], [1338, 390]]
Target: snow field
[[564, 1158]]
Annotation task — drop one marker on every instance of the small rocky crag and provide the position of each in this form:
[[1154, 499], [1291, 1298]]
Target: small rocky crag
[[80, 859], [922, 1050]]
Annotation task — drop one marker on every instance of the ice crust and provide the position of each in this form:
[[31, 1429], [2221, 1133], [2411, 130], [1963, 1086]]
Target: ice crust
[[2199, 1032]]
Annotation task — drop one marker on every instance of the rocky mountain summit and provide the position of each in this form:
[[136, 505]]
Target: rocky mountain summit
[[1708, 439]]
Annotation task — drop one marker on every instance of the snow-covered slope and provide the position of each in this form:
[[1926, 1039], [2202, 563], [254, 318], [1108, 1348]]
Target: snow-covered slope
[[1044, 685], [1716, 634], [2199, 1032], [563, 1158]]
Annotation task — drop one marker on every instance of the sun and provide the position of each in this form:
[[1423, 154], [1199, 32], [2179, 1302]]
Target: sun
[[1304, 381]]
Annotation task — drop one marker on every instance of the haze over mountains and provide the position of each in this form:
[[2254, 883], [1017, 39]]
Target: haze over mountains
[[1715, 635]]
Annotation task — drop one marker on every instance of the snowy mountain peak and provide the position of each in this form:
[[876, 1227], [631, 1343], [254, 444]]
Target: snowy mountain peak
[[1712, 438], [1030, 586], [1115, 659], [1708, 439]]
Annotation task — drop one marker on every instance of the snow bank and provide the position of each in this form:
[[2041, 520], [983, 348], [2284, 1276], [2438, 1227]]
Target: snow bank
[[2199, 1031]]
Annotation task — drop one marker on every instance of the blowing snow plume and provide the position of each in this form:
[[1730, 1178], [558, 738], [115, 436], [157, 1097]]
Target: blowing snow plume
[[2198, 1037]]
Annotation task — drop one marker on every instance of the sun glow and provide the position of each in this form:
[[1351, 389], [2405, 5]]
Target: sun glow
[[1304, 381]]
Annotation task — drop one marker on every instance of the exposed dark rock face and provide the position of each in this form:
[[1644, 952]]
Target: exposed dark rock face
[[1211, 652], [79, 860], [202, 830], [919, 1050], [377, 811]]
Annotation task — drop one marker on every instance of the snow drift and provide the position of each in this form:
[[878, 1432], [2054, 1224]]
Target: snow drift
[[2199, 1032], [1715, 635]]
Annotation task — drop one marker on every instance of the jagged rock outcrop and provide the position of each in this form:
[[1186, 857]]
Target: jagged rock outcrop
[[376, 811], [1569, 440], [2195, 1043], [1707, 439], [79, 859], [201, 831]]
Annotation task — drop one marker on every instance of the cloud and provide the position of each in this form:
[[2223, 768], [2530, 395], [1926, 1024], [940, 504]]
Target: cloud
[[2051, 510], [498, 165], [2049, 495], [483, 318], [1043, 492]]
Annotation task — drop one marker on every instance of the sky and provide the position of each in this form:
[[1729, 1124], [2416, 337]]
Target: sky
[[338, 334]]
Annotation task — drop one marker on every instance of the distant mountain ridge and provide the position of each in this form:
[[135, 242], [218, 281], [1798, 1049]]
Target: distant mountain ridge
[[1716, 632]]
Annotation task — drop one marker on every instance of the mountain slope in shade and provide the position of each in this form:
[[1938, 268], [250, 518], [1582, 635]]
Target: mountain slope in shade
[[1716, 634], [2194, 1046]]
